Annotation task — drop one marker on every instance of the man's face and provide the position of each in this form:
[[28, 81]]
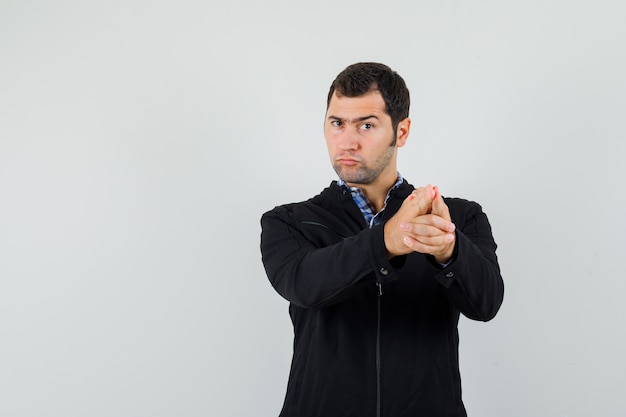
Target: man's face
[[360, 138]]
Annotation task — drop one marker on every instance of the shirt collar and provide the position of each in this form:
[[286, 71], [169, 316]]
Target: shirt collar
[[366, 207]]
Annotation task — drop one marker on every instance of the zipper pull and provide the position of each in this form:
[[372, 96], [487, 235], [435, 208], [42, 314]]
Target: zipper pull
[[380, 288]]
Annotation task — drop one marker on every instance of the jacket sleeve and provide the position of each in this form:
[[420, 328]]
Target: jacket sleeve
[[312, 274], [472, 280]]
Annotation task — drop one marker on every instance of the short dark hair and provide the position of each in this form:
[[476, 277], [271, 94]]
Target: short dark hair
[[363, 77]]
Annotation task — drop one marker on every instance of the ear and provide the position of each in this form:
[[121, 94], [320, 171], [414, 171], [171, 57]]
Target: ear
[[402, 132]]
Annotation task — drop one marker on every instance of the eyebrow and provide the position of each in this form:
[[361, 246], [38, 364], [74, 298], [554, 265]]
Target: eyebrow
[[358, 119]]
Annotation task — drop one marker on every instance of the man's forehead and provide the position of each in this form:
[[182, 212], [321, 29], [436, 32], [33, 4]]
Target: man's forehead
[[370, 103]]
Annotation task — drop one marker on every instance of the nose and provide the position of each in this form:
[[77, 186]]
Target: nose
[[348, 140]]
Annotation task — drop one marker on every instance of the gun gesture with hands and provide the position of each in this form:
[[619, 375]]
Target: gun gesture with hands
[[423, 225]]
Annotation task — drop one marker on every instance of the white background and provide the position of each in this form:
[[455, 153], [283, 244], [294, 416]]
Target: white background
[[140, 141]]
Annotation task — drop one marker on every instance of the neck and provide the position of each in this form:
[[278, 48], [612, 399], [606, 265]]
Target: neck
[[377, 191]]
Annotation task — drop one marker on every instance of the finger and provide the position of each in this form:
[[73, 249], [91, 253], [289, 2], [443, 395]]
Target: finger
[[434, 241], [422, 201], [427, 191], [439, 207], [417, 229], [428, 220], [430, 245]]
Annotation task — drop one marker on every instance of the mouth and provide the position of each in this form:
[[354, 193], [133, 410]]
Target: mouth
[[347, 160]]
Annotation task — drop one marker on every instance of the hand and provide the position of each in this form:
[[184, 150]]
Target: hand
[[417, 204], [422, 224]]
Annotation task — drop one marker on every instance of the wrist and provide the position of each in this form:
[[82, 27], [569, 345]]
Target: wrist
[[446, 257]]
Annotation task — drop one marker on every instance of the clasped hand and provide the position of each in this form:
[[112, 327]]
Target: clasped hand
[[422, 224]]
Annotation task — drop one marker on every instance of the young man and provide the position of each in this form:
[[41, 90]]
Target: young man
[[377, 272]]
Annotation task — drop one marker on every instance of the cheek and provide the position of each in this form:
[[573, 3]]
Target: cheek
[[327, 137], [330, 146], [331, 140]]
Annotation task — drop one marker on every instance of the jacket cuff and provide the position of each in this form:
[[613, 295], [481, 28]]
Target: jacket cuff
[[454, 267], [383, 269]]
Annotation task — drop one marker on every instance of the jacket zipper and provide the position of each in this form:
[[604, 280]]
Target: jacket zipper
[[378, 361]]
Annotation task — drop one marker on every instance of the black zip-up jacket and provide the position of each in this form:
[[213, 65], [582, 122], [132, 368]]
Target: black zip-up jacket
[[375, 337]]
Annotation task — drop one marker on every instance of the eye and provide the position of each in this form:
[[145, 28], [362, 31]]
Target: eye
[[335, 123], [367, 126]]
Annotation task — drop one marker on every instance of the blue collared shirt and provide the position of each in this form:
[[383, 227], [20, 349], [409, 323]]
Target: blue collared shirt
[[366, 207]]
